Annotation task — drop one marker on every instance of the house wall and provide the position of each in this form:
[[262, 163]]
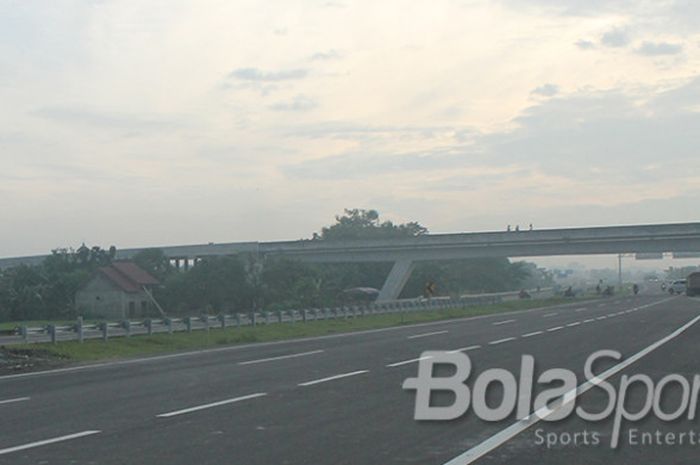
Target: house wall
[[99, 298]]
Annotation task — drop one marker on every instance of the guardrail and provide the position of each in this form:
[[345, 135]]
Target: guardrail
[[126, 328]]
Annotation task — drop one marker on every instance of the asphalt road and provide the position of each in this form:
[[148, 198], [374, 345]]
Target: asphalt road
[[339, 399]]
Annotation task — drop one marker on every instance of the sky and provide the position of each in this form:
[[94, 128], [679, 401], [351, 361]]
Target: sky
[[134, 123]]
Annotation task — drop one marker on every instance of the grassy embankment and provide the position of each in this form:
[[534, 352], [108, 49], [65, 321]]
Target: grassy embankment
[[96, 349]]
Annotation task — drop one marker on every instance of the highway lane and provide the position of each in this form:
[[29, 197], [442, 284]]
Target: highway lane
[[366, 415]]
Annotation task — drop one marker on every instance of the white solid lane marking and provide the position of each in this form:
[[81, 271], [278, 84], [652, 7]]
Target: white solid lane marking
[[10, 401], [505, 322], [331, 378], [534, 333], [434, 333], [505, 435], [464, 349], [48, 441], [501, 341], [213, 404], [281, 357], [549, 314], [406, 362], [556, 328]]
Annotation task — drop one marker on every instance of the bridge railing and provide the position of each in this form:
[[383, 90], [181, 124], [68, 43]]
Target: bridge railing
[[126, 328]]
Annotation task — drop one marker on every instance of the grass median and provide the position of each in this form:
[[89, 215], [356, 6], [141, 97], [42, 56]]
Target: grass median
[[142, 345]]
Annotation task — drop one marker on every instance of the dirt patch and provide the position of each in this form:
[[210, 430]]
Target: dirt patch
[[21, 360]]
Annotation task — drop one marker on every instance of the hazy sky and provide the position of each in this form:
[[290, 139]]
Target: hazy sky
[[160, 122]]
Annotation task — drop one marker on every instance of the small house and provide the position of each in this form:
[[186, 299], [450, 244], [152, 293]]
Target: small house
[[120, 290]]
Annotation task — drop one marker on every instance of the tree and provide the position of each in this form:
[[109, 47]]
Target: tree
[[155, 262], [216, 283], [365, 224], [47, 291], [450, 277]]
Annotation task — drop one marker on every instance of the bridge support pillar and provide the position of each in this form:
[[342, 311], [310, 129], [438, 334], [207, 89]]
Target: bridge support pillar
[[396, 280]]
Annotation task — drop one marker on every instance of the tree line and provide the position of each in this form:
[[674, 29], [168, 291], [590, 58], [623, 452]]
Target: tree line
[[244, 282]]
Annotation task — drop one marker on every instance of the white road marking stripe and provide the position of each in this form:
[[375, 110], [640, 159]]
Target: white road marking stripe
[[581, 309], [590, 320], [434, 333], [213, 404], [610, 315], [48, 441], [501, 341], [534, 333], [575, 323], [549, 314], [602, 305], [505, 435], [281, 357], [556, 328], [464, 349], [406, 362], [10, 401], [505, 322], [331, 378], [602, 317]]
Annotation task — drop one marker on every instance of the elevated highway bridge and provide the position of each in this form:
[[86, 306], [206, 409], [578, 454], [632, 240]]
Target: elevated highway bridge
[[405, 252]]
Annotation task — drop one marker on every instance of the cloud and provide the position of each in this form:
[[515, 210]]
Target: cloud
[[659, 48], [546, 90], [574, 7], [363, 132], [135, 123], [326, 56], [593, 138], [257, 75], [362, 165], [585, 44], [298, 103], [615, 38]]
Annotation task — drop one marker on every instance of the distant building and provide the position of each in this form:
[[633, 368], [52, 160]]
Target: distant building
[[118, 291]]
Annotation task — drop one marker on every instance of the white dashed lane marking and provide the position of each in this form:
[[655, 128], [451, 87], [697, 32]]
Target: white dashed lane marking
[[212, 405], [47, 441], [333, 378], [12, 401], [434, 333]]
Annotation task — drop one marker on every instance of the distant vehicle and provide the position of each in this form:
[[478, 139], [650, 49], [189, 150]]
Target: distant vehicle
[[693, 284], [677, 287], [358, 295]]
